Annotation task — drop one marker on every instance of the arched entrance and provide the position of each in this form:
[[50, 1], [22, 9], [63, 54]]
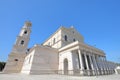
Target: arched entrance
[[65, 66]]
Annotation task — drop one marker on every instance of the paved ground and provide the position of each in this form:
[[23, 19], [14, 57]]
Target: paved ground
[[55, 77]]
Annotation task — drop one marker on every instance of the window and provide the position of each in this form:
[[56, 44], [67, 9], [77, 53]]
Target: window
[[65, 37], [25, 32], [74, 40], [28, 49], [49, 44], [15, 59], [22, 42], [73, 32], [54, 41]]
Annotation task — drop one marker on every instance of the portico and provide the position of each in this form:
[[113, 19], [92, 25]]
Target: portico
[[84, 60]]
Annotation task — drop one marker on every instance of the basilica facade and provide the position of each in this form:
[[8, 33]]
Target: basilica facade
[[64, 52]]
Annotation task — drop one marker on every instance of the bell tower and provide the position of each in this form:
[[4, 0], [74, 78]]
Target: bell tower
[[23, 38], [16, 57]]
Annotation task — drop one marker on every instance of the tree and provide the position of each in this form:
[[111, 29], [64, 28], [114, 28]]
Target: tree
[[2, 65]]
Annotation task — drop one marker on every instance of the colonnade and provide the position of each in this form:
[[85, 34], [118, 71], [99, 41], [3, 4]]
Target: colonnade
[[93, 64], [84, 62]]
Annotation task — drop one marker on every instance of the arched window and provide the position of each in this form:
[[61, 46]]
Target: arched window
[[22, 42], [49, 44], [15, 59], [54, 41], [74, 40], [65, 37], [25, 32], [28, 49]]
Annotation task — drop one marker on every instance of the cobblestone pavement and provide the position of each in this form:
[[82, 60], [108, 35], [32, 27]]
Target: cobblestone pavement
[[56, 77]]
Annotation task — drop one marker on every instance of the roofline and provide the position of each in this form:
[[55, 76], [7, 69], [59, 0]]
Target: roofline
[[77, 43], [53, 34], [39, 45], [61, 27]]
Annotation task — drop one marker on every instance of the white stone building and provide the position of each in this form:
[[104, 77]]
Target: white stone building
[[64, 52]]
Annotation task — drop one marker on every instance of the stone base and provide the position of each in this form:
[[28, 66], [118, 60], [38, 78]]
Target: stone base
[[14, 63]]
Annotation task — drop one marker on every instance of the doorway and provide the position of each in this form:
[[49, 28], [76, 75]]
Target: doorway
[[65, 66]]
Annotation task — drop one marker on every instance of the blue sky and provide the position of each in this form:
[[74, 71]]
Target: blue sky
[[97, 20]]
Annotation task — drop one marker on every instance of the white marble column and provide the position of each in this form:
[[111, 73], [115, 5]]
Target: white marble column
[[87, 65], [102, 65], [105, 65], [92, 65], [99, 64], [96, 66], [81, 62], [108, 69]]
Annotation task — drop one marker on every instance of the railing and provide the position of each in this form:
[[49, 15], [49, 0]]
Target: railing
[[67, 72], [87, 72]]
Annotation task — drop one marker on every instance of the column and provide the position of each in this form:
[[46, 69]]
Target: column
[[102, 67], [108, 70], [96, 66], [100, 64], [105, 65], [92, 66], [87, 65], [110, 67], [81, 63]]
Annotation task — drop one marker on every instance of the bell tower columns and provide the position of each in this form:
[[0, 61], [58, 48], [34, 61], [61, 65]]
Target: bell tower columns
[[18, 53]]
